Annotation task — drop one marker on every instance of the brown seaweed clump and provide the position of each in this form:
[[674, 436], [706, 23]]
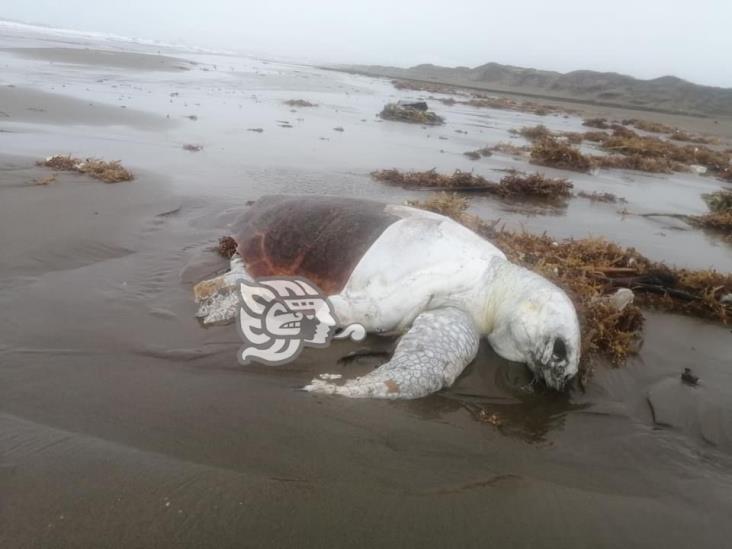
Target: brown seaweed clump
[[719, 217], [648, 126], [109, 172], [227, 247], [505, 103], [553, 153], [459, 180], [536, 133], [479, 153], [674, 133], [595, 196], [536, 185], [508, 148], [533, 133], [628, 150], [595, 136], [638, 163], [511, 186], [423, 86], [680, 155], [717, 221], [450, 204], [681, 135], [299, 103], [599, 123], [591, 269], [403, 113], [720, 201]]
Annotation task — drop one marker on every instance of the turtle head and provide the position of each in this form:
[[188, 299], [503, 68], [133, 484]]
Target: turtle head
[[539, 327], [553, 351]]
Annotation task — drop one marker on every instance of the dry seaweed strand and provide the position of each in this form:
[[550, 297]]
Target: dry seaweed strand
[[627, 150], [551, 152], [535, 185], [109, 172], [720, 201], [719, 217], [648, 126], [505, 103], [422, 86], [599, 123], [511, 186], [507, 148]]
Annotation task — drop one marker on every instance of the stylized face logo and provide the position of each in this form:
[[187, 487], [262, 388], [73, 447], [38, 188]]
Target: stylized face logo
[[278, 317]]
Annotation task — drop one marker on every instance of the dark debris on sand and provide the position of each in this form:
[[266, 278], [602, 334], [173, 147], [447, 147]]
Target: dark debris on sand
[[411, 114], [226, 247], [599, 123], [595, 196], [299, 103]]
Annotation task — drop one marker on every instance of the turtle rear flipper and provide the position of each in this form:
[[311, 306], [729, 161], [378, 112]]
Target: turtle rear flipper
[[217, 298], [429, 357]]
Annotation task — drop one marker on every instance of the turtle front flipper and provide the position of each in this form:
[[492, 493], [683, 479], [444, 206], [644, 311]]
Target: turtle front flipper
[[217, 297], [430, 356]]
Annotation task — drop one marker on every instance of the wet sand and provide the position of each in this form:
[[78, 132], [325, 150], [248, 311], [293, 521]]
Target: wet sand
[[124, 423], [102, 58], [23, 104]]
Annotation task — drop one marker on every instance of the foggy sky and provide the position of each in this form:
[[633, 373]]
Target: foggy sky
[[644, 38]]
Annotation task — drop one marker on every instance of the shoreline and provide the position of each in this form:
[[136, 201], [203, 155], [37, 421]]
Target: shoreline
[[695, 121]]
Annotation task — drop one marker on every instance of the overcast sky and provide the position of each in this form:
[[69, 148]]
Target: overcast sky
[[645, 38]]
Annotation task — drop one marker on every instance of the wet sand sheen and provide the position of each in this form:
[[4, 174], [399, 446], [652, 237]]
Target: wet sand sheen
[[127, 412], [104, 58], [18, 104]]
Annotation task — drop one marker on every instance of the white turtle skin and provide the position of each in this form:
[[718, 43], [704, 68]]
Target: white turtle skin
[[426, 272], [426, 261]]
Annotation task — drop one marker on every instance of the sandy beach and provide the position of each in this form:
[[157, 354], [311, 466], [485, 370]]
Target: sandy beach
[[125, 423]]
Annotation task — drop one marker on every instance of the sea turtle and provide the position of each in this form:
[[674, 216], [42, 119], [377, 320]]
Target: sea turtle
[[397, 269]]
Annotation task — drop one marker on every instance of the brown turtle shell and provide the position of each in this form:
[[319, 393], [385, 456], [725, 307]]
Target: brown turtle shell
[[320, 238]]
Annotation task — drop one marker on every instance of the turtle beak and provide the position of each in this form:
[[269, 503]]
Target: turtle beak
[[556, 378], [555, 374]]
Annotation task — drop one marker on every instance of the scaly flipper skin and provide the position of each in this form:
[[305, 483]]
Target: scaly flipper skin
[[217, 298], [430, 356]]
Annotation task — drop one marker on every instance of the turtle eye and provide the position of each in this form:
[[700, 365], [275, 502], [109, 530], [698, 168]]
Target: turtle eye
[[559, 353]]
